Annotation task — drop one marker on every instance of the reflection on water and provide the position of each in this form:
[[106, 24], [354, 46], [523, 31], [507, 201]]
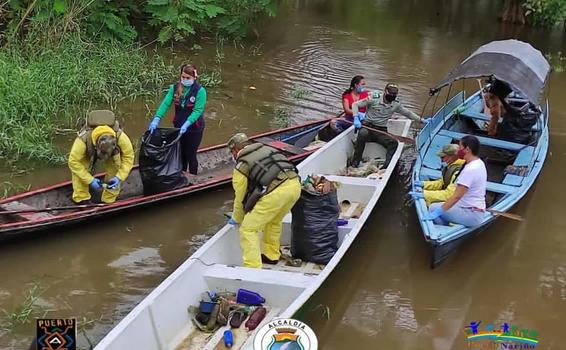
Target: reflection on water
[[383, 295]]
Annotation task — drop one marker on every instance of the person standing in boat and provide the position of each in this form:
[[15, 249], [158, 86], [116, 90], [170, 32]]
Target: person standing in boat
[[379, 108], [266, 187], [100, 139], [189, 98], [467, 205], [441, 189], [357, 91]]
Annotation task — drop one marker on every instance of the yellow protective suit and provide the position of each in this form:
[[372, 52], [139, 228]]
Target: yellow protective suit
[[119, 165], [266, 216], [433, 192]]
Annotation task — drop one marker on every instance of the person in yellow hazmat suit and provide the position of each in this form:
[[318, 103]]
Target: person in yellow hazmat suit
[[266, 187], [100, 140], [443, 188]]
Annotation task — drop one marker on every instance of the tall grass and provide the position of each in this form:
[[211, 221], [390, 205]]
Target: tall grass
[[55, 86]]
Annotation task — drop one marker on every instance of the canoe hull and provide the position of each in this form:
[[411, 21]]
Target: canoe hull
[[215, 165]]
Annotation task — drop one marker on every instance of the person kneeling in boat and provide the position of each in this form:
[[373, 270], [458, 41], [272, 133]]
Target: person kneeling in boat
[[100, 139], [467, 205], [441, 189], [515, 126], [380, 107], [266, 187]]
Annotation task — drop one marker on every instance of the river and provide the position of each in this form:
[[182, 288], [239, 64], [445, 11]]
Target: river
[[383, 294]]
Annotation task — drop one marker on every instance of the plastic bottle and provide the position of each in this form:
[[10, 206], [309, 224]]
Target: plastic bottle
[[213, 315], [341, 222], [249, 298], [255, 318], [228, 338]]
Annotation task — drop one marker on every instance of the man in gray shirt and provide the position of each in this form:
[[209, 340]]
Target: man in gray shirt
[[380, 107]]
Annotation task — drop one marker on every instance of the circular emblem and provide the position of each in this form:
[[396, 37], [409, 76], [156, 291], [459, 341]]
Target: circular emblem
[[192, 99], [287, 334]]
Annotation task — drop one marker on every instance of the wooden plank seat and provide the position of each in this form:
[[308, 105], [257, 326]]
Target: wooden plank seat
[[31, 216], [432, 174], [469, 113], [280, 145], [486, 141]]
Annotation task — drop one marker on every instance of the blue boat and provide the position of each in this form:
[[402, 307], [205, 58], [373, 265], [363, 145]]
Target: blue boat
[[526, 71]]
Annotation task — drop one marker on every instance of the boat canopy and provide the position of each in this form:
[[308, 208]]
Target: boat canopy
[[515, 62]]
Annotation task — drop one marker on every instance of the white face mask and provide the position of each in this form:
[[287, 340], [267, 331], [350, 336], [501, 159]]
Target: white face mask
[[187, 82]]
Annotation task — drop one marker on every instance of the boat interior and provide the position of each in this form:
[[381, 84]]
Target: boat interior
[[214, 165], [500, 156], [217, 265]]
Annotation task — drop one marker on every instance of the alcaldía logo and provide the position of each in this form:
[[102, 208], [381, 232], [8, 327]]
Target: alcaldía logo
[[505, 337], [285, 334]]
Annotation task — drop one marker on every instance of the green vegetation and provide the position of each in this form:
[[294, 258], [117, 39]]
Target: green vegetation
[[300, 93], [60, 58], [25, 312], [281, 118], [44, 89], [545, 12], [557, 62], [123, 20]]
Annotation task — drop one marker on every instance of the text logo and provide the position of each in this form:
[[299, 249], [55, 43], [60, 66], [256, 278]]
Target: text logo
[[285, 334], [504, 336], [57, 334]]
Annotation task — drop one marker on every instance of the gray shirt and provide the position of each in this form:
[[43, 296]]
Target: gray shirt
[[378, 112]]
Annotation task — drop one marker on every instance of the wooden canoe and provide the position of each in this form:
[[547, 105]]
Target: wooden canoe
[[215, 169], [162, 321]]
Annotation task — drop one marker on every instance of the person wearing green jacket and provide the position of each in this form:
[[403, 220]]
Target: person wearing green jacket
[[441, 189], [189, 98]]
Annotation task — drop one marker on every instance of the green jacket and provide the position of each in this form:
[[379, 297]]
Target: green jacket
[[378, 112], [200, 103]]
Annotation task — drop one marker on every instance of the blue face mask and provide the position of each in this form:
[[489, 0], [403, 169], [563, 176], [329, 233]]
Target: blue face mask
[[187, 82], [360, 89]]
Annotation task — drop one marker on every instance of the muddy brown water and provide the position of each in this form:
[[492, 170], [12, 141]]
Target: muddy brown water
[[383, 294]]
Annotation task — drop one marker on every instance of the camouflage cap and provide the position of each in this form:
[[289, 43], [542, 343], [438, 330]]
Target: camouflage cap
[[106, 144], [448, 150], [237, 140], [391, 89]]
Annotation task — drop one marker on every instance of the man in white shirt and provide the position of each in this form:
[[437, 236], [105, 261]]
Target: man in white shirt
[[467, 205]]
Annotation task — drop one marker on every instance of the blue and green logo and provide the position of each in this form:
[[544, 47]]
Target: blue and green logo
[[504, 337]]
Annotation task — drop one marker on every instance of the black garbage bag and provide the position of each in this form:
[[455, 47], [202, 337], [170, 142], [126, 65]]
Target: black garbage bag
[[160, 161], [314, 230]]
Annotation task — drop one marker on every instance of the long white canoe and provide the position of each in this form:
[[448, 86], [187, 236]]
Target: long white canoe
[[161, 321]]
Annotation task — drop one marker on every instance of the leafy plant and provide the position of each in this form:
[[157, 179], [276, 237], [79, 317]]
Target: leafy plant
[[545, 12], [27, 310], [299, 92], [557, 62]]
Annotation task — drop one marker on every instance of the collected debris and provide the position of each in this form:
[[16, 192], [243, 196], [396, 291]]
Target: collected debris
[[216, 310], [364, 169], [519, 170], [319, 185]]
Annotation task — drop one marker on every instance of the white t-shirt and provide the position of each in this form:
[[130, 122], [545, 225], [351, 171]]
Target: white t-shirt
[[474, 177]]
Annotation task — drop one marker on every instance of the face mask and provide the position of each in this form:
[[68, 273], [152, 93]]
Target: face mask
[[389, 98], [461, 153], [360, 89], [187, 82]]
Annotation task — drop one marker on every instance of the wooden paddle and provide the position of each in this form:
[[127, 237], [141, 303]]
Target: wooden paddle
[[403, 139], [74, 207], [506, 215]]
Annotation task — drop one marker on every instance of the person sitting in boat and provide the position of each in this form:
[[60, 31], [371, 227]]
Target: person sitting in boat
[[189, 98], [266, 187], [357, 91], [467, 205], [380, 107], [100, 139], [441, 189], [515, 126]]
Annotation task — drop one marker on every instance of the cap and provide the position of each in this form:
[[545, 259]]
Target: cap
[[237, 140], [500, 89], [448, 150], [391, 89], [106, 144]]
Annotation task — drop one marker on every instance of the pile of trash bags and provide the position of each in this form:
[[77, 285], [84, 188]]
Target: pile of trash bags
[[314, 225]]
